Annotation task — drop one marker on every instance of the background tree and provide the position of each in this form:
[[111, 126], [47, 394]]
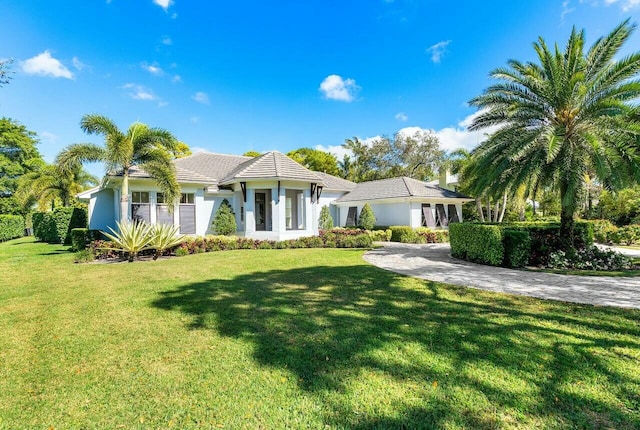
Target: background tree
[[325, 221], [5, 71], [181, 150], [51, 185], [224, 221], [558, 120], [18, 156], [316, 160], [252, 154], [151, 149], [417, 156]]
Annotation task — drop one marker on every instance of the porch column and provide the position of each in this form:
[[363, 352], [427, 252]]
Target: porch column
[[249, 212]]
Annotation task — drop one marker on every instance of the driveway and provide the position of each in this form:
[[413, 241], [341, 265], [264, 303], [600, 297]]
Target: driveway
[[434, 263]]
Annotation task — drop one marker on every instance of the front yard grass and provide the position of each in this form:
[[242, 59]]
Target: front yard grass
[[304, 338]]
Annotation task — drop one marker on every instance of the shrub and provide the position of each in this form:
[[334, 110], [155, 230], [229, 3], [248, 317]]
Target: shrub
[[426, 235], [481, 243], [102, 249], [402, 233], [602, 229], [84, 256], [590, 258], [79, 239], [628, 234], [56, 226], [265, 244], [181, 251], [11, 226], [224, 221], [164, 237], [380, 235], [131, 238], [517, 247], [367, 218], [325, 221]]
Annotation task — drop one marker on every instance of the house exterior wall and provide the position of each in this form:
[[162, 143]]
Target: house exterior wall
[[101, 210]]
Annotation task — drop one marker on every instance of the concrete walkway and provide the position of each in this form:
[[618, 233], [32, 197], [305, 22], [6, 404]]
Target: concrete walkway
[[434, 262]]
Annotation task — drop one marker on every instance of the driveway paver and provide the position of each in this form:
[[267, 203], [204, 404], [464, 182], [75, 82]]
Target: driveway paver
[[434, 263]]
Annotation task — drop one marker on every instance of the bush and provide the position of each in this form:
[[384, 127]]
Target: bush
[[224, 221], [590, 258], [84, 256], [627, 235], [325, 221], [56, 226], [11, 226], [403, 234], [131, 238], [481, 243], [602, 229], [517, 247], [380, 235], [406, 234], [79, 239], [367, 218]]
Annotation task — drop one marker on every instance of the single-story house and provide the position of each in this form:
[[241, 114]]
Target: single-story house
[[273, 197]]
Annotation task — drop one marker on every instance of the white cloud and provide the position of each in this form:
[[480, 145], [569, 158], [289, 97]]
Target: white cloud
[[625, 5], [45, 65], [335, 88], [79, 65], [48, 137], [566, 9], [164, 4], [139, 92], [201, 97], [401, 116], [452, 138], [162, 103], [176, 79], [194, 119], [166, 40], [438, 50], [154, 68]]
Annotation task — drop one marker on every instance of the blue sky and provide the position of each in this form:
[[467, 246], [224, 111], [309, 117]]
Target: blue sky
[[254, 75]]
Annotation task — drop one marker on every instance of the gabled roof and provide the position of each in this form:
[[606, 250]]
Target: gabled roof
[[270, 165], [334, 183], [397, 188]]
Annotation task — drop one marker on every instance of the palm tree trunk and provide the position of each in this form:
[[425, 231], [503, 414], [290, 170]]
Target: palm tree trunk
[[504, 207], [124, 196], [496, 212], [488, 209], [479, 209]]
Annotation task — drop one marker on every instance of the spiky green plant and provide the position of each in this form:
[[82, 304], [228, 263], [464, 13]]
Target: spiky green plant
[[131, 237], [569, 115], [163, 237], [325, 221]]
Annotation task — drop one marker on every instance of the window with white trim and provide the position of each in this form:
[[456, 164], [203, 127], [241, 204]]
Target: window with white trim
[[187, 213], [140, 206], [163, 214]]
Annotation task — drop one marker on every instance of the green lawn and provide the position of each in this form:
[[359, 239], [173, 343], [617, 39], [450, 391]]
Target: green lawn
[[308, 338]]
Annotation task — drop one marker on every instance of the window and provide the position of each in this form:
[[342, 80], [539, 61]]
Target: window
[[187, 214], [187, 198], [294, 209], [140, 207], [163, 215]]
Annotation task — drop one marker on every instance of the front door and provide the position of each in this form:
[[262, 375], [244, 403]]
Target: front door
[[261, 211]]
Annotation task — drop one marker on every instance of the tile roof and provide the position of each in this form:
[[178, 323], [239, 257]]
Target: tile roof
[[397, 188], [272, 164], [210, 165], [334, 183]]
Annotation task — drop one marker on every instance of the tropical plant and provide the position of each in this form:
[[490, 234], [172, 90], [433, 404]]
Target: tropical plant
[[131, 238], [164, 237], [224, 221], [561, 119], [367, 218], [325, 221], [149, 148], [50, 185]]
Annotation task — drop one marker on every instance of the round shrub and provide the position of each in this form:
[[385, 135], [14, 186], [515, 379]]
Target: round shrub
[[325, 221], [224, 221], [367, 218]]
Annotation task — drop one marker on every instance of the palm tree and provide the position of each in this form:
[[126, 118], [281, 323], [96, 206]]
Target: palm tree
[[148, 148], [50, 184], [560, 119]]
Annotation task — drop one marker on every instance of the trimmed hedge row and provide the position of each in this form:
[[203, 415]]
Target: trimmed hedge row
[[11, 226], [406, 234], [513, 245], [56, 226]]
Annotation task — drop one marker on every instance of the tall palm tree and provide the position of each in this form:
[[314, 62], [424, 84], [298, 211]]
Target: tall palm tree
[[561, 118], [50, 185], [148, 148]]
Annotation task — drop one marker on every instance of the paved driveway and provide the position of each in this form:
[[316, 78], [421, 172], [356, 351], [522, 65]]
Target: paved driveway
[[434, 262]]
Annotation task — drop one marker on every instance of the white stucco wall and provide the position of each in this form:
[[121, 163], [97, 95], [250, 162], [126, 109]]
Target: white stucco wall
[[101, 211]]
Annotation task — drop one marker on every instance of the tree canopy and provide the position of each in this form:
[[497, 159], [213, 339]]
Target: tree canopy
[[561, 119], [316, 160], [19, 155], [416, 156]]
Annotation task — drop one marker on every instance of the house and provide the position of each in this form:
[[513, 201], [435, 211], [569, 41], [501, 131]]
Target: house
[[272, 196]]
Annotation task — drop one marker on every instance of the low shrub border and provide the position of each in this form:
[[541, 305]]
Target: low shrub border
[[56, 226], [406, 234], [11, 226]]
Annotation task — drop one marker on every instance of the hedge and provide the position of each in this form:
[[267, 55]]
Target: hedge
[[11, 226], [480, 243], [56, 226], [79, 239]]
